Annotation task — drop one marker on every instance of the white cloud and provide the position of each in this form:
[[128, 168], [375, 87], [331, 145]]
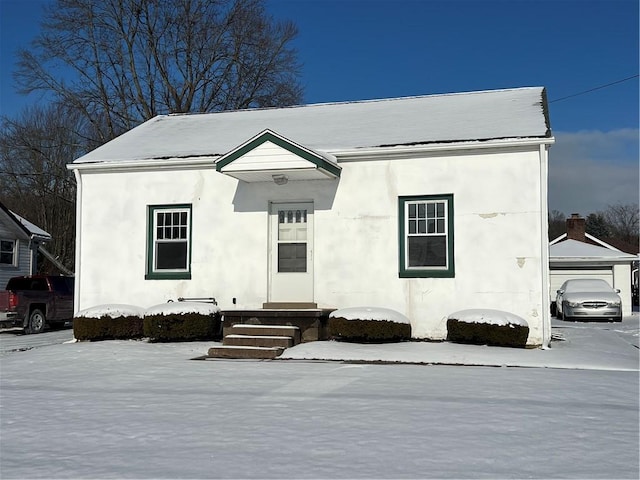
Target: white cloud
[[590, 170]]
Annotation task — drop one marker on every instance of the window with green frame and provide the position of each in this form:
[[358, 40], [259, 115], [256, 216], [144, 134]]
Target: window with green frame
[[169, 242], [426, 236]]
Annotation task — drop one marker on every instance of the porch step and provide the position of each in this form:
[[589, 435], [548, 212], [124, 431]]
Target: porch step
[[265, 330], [258, 341], [255, 341], [230, 351]]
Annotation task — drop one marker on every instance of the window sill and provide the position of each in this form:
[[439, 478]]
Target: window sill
[[168, 276], [427, 274]]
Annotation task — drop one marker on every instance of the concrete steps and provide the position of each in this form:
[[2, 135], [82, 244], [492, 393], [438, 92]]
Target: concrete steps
[[255, 341], [229, 351]]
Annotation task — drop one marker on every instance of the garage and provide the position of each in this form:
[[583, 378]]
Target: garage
[[574, 259], [558, 275]]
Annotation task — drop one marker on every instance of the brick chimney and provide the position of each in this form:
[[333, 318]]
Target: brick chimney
[[576, 228]]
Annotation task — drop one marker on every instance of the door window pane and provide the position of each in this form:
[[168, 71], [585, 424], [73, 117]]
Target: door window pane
[[292, 257]]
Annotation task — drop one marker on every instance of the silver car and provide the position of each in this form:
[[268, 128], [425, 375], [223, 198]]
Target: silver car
[[587, 299]]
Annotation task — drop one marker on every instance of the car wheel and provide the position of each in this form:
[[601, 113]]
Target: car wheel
[[618, 319], [36, 321], [554, 309]]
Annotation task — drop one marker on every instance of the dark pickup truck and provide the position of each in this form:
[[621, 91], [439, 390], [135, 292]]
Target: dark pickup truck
[[35, 301]]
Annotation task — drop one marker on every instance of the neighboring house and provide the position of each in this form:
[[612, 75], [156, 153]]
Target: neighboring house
[[577, 254], [426, 205], [19, 244]]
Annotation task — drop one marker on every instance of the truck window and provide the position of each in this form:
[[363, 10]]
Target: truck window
[[18, 283], [61, 284], [39, 284]]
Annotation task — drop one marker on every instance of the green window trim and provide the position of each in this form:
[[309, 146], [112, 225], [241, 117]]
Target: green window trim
[[183, 230], [426, 210]]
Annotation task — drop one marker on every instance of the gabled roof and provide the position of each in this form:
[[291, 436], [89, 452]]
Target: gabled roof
[[24, 226], [611, 243], [269, 154], [570, 251], [588, 236], [519, 113]]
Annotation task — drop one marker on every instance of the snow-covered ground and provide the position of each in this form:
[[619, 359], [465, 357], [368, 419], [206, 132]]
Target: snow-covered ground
[[132, 409]]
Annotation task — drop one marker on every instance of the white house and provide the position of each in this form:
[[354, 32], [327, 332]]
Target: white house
[[426, 205], [577, 254], [19, 244]]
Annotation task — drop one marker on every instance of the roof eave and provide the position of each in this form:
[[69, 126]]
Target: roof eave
[[417, 149]]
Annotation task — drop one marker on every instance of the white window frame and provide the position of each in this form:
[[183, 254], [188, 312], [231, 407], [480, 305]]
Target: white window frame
[[14, 252]]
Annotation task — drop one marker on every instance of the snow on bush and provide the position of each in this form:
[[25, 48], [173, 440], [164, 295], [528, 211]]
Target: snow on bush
[[487, 327], [111, 311], [370, 313], [368, 324], [182, 321], [177, 308], [109, 322], [488, 316]]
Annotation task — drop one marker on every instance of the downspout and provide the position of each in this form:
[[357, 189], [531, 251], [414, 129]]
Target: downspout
[[33, 253], [544, 246], [78, 269], [32, 257]]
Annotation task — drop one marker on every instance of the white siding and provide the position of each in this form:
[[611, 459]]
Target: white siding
[[267, 156], [23, 259]]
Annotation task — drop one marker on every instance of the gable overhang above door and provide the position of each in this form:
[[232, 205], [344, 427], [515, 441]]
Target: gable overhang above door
[[269, 156]]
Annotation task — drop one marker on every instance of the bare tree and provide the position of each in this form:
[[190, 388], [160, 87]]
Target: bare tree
[[121, 62], [557, 224], [34, 180], [623, 221]]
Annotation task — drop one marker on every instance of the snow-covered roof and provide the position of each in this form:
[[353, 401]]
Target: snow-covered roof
[[519, 113], [25, 226], [576, 250], [34, 230], [587, 236]]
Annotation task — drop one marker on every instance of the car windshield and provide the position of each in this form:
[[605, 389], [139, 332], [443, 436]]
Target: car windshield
[[587, 286]]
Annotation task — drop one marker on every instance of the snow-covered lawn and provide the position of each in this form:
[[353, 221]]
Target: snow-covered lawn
[[131, 409]]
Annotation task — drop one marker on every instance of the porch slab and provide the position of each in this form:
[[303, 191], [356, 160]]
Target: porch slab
[[232, 351]]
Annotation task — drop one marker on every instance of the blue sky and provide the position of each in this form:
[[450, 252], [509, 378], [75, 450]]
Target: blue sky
[[363, 49]]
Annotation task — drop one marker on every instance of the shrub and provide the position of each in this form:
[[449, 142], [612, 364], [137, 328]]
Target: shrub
[[367, 331], [108, 322], [487, 327], [182, 327], [107, 328]]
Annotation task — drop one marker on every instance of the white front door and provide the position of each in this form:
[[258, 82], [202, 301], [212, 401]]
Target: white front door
[[291, 252]]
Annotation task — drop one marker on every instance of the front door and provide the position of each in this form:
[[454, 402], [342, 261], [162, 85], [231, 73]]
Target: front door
[[291, 252]]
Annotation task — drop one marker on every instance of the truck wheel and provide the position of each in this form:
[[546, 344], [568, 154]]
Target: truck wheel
[[36, 322]]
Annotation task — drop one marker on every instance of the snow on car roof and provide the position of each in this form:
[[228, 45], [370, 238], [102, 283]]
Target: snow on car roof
[[586, 285]]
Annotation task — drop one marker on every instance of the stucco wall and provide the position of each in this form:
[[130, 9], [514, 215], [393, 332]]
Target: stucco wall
[[497, 224]]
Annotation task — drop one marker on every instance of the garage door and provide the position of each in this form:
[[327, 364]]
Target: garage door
[[558, 277]]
